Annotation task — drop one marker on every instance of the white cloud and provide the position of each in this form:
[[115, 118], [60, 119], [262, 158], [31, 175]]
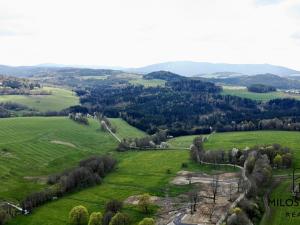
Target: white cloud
[[139, 32]]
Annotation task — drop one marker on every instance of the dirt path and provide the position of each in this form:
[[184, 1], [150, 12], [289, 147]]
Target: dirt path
[[112, 133]]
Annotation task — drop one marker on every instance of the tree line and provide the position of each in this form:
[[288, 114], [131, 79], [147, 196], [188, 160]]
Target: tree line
[[88, 173], [154, 141]]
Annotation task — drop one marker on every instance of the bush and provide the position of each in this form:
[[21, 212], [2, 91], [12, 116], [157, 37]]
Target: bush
[[79, 216], [96, 218], [144, 203], [120, 219], [238, 218], [147, 221]]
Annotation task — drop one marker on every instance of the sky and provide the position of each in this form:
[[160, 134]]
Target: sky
[[135, 33]]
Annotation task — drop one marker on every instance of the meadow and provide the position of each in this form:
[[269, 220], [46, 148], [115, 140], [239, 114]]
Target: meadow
[[58, 100], [244, 93]]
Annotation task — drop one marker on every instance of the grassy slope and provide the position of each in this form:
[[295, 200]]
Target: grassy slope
[[244, 93], [58, 100], [31, 153], [124, 130]]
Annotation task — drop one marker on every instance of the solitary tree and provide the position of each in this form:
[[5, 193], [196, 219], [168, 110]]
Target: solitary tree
[[147, 221], [144, 203], [215, 186], [120, 219], [193, 196], [79, 216], [96, 218]]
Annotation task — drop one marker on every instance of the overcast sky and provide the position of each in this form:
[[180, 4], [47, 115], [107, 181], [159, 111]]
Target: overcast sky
[[138, 32]]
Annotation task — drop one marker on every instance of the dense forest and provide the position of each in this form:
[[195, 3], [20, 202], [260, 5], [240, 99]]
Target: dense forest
[[260, 88], [188, 107]]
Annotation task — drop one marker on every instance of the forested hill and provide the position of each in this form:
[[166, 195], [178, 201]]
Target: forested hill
[[188, 107]]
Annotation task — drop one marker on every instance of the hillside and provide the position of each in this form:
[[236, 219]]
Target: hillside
[[58, 99], [44, 145]]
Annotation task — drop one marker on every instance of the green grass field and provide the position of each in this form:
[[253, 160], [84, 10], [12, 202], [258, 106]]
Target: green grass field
[[148, 83], [124, 130], [229, 140], [244, 93], [58, 100]]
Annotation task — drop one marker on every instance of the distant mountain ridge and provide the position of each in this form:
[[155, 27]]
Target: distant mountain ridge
[[184, 68], [189, 68], [265, 79]]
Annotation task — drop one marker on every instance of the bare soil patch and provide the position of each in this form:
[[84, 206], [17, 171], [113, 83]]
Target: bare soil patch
[[178, 210], [134, 200]]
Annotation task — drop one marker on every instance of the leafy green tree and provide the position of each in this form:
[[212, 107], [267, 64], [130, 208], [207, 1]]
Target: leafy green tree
[[79, 215], [278, 160], [144, 203], [120, 219], [147, 221], [96, 218]]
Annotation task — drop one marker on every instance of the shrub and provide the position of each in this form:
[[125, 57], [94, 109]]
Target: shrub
[[144, 203], [96, 218], [79, 216], [147, 221], [120, 219]]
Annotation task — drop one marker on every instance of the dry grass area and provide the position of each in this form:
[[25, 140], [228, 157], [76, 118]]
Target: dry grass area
[[63, 143]]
